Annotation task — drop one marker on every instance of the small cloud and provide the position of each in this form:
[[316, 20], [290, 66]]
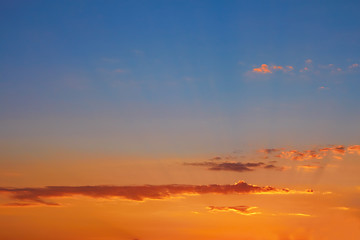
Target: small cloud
[[353, 66], [277, 67], [228, 166], [263, 69], [340, 149], [307, 168], [243, 210], [269, 150], [299, 156], [354, 149], [323, 88], [342, 208], [308, 61], [299, 214], [288, 68], [268, 69]]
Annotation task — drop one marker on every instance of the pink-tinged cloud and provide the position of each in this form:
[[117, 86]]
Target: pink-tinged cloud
[[355, 65], [308, 61], [263, 69], [136, 193], [243, 210]]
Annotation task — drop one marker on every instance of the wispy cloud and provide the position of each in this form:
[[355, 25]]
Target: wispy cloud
[[307, 168], [354, 65], [27, 196], [336, 151], [243, 210], [119, 70]]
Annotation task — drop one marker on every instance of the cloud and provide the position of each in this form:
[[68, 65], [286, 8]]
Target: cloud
[[307, 168], [277, 67], [317, 153], [299, 214], [308, 61], [263, 69], [353, 66], [243, 210], [136, 193], [233, 166], [340, 149], [18, 204], [269, 150], [354, 149], [299, 156]]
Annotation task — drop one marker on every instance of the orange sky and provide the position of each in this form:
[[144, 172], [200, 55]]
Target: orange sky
[[182, 120], [145, 200]]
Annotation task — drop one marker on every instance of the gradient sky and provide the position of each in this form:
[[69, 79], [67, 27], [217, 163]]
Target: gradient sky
[[172, 103]]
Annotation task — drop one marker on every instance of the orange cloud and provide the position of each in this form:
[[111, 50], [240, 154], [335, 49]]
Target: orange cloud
[[243, 210], [307, 167], [299, 156], [335, 149], [277, 67], [263, 69], [319, 153], [266, 69], [137, 193], [354, 149]]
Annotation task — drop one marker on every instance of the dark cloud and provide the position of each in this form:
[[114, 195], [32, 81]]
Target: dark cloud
[[233, 166], [136, 193], [269, 150]]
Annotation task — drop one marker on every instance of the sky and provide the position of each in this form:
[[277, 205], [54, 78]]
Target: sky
[[206, 120]]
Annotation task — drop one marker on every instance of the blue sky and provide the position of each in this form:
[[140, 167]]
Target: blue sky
[[161, 76]]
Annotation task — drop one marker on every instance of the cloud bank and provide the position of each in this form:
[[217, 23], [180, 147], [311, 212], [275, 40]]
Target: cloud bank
[[27, 196]]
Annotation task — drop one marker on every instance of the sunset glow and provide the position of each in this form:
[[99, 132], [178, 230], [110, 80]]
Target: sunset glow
[[183, 120]]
